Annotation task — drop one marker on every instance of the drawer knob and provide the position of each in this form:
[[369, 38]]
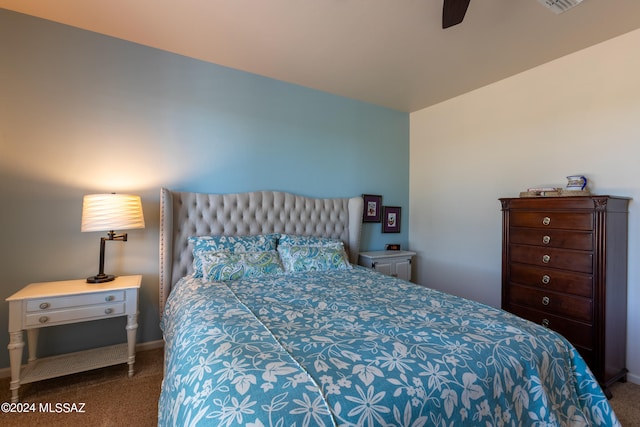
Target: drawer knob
[[546, 220], [546, 240], [44, 305], [545, 323], [43, 319], [109, 298], [545, 300], [546, 259], [546, 279], [108, 310]]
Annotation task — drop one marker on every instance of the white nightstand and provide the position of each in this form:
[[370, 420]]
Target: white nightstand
[[45, 304], [391, 263]]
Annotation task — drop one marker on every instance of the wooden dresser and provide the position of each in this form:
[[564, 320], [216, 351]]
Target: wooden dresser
[[564, 265]]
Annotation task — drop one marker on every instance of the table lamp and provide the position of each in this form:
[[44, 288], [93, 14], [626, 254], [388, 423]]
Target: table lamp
[[109, 212]]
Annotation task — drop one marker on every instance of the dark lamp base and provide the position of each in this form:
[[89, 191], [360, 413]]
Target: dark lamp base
[[100, 278]]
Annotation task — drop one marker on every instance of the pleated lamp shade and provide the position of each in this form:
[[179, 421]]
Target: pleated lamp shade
[[107, 212]]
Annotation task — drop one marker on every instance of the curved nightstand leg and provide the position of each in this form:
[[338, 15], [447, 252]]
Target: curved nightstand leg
[[16, 344], [132, 327]]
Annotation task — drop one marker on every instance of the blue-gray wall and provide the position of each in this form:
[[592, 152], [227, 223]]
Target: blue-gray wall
[[83, 113]]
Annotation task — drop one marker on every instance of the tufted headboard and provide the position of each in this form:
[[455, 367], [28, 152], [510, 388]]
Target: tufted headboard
[[184, 214]]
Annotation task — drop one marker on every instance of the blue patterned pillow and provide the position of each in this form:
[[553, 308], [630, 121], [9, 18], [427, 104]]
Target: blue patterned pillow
[[313, 258], [291, 240], [257, 243], [220, 266]]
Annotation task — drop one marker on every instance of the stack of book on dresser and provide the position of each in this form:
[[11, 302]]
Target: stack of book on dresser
[[552, 192]]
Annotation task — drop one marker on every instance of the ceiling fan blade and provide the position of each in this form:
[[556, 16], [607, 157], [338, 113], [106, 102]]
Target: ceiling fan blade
[[453, 12]]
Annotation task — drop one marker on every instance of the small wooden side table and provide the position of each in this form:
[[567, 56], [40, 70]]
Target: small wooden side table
[[391, 263], [46, 304]]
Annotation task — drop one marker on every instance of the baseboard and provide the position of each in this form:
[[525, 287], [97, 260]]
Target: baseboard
[[149, 345], [633, 378]]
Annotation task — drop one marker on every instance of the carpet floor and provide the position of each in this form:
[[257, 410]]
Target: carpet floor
[[109, 396], [111, 399], [626, 403]]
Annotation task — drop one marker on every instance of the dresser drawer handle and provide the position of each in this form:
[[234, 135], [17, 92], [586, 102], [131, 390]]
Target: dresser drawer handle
[[109, 298], [545, 300], [546, 240], [546, 220], [546, 279], [43, 319], [44, 306], [108, 310], [546, 259], [545, 323]]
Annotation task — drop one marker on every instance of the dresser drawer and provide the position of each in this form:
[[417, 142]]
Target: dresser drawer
[[552, 238], [553, 258], [55, 303], [562, 220], [554, 280], [579, 334], [565, 305], [78, 314]]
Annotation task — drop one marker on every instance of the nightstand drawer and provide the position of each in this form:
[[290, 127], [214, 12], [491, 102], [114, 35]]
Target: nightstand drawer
[[55, 303], [57, 317]]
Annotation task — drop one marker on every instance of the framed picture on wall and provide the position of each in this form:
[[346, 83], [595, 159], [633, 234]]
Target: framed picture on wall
[[372, 208], [391, 219]]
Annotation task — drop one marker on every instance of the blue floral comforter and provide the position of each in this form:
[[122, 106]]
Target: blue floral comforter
[[355, 348]]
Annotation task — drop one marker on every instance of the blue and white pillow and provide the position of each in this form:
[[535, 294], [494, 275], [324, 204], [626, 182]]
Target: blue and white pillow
[[313, 258], [255, 243], [222, 266], [292, 240]]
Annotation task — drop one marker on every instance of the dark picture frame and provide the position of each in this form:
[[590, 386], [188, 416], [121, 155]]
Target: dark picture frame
[[372, 211], [391, 219]]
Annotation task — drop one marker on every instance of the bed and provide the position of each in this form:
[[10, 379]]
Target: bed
[[268, 321]]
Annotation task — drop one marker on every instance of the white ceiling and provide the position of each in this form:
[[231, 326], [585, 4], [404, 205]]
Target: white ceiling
[[392, 53]]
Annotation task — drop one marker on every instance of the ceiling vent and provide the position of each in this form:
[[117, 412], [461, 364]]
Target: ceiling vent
[[559, 6]]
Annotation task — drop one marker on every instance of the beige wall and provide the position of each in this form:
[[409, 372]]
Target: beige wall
[[577, 115]]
